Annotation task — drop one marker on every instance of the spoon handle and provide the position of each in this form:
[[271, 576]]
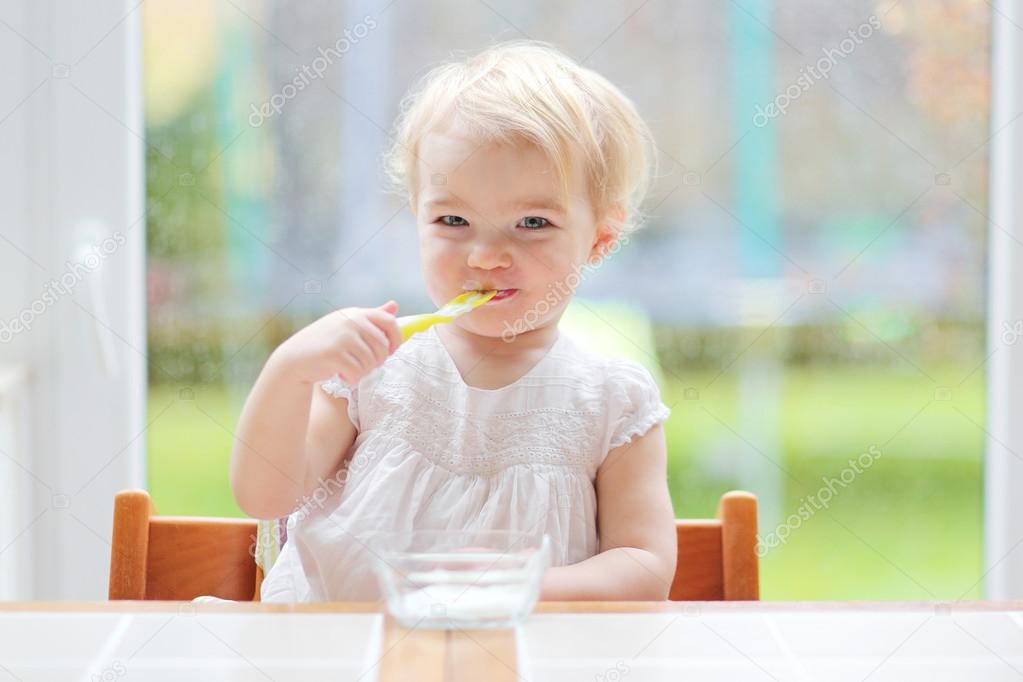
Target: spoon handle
[[412, 324]]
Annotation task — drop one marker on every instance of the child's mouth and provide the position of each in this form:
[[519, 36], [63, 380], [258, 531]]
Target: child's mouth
[[502, 294]]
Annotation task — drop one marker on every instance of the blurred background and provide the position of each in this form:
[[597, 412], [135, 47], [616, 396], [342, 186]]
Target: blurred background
[[809, 288]]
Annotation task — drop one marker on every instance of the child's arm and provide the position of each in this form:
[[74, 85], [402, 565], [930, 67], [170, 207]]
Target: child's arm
[[287, 437], [636, 524]]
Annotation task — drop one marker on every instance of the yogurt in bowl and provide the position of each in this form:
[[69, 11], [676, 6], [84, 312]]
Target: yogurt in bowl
[[460, 578]]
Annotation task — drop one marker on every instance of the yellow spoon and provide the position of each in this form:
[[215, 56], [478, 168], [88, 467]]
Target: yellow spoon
[[459, 305]]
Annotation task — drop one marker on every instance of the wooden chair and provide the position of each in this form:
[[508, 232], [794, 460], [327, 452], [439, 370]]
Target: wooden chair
[[717, 558], [179, 557], [182, 557]]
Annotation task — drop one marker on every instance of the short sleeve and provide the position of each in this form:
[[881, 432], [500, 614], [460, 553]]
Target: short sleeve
[[635, 402], [338, 388]]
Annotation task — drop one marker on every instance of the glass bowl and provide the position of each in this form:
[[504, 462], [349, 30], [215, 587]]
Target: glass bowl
[[460, 578]]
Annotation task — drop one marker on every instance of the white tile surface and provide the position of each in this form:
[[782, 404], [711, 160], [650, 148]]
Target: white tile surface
[[885, 645], [928, 644], [640, 646], [40, 646], [925, 644]]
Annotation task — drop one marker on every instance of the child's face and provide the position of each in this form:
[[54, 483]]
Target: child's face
[[492, 217]]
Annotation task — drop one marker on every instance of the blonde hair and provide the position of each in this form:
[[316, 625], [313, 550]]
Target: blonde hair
[[528, 90]]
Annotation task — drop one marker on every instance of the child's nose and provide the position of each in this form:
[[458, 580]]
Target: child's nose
[[489, 253]]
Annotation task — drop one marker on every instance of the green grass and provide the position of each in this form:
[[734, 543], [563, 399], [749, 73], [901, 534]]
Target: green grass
[[907, 527], [189, 450]]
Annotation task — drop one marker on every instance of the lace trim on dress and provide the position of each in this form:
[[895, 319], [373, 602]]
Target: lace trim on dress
[[337, 388], [639, 426], [486, 444]]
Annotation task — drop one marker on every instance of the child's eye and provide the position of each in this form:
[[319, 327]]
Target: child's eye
[[534, 222], [453, 220]]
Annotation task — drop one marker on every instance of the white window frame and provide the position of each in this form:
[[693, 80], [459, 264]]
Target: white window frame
[[71, 176], [1003, 490]]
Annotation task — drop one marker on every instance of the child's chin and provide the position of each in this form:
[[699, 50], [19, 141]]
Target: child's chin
[[496, 327]]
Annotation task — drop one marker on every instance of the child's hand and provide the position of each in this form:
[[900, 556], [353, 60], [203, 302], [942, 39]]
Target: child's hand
[[351, 342]]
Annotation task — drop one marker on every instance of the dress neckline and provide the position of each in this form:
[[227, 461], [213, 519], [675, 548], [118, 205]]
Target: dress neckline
[[461, 381]]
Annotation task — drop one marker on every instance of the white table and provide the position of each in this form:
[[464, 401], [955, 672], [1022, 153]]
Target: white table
[[115, 641]]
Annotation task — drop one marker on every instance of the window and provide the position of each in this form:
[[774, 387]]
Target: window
[[812, 276]]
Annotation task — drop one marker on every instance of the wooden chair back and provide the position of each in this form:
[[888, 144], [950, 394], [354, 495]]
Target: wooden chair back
[[182, 557], [717, 558], [178, 557]]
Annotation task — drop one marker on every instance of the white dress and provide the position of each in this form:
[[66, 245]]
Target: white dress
[[435, 453]]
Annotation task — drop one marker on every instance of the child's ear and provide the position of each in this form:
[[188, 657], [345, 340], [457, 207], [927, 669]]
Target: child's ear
[[608, 230]]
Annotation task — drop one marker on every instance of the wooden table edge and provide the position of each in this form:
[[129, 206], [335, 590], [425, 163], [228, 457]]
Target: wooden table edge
[[687, 607]]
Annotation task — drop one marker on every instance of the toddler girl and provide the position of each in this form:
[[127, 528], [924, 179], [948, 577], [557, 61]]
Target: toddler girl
[[521, 168]]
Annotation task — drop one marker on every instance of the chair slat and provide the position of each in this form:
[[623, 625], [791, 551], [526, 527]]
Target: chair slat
[[740, 563], [191, 556], [129, 545], [698, 573]]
